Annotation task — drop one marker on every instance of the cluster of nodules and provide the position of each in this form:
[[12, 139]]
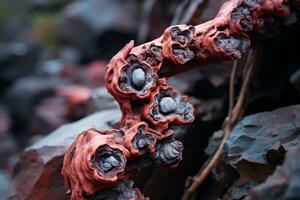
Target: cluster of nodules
[[99, 160], [231, 35]]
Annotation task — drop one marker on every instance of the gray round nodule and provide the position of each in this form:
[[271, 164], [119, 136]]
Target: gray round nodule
[[167, 105], [138, 77]]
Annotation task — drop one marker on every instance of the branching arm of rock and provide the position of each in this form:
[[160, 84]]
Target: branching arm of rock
[[137, 78]]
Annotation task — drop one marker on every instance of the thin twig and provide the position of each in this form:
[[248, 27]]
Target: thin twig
[[231, 85], [229, 124]]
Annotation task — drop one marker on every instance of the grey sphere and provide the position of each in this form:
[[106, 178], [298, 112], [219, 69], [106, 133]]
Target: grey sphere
[[167, 105], [138, 77]]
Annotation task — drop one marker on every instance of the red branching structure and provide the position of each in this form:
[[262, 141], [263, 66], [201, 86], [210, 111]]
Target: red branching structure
[[100, 160]]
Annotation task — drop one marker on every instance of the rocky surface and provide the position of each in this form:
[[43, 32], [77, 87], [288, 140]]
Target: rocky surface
[[256, 146], [38, 173], [284, 184]]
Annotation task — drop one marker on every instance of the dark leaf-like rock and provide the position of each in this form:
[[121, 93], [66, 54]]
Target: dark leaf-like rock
[[38, 173], [257, 145], [284, 184]]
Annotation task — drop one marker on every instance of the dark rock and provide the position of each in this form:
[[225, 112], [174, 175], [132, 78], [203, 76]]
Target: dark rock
[[204, 82], [122, 191], [17, 59], [284, 183], [100, 99], [258, 144], [295, 80], [57, 110], [48, 115], [210, 109], [57, 67], [102, 23], [239, 190], [8, 147], [25, 94], [5, 120], [258, 137], [214, 142], [38, 173]]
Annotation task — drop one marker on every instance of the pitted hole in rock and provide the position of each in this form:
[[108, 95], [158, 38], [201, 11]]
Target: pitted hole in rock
[[123, 190], [182, 37], [168, 152], [136, 77], [170, 105], [156, 52], [142, 140], [243, 16], [108, 161], [182, 54], [153, 55], [222, 28], [151, 60], [234, 45], [246, 24]]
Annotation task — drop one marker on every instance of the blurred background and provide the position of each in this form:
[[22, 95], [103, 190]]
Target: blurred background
[[52, 59]]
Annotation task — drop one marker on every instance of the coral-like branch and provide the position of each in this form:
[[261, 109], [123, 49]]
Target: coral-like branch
[[97, 160]]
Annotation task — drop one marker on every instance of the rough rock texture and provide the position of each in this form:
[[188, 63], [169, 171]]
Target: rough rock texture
[[38, 173], [256, 146], [284, 184]]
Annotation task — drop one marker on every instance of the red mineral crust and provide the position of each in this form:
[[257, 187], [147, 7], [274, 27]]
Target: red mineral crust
[[98, 160]]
